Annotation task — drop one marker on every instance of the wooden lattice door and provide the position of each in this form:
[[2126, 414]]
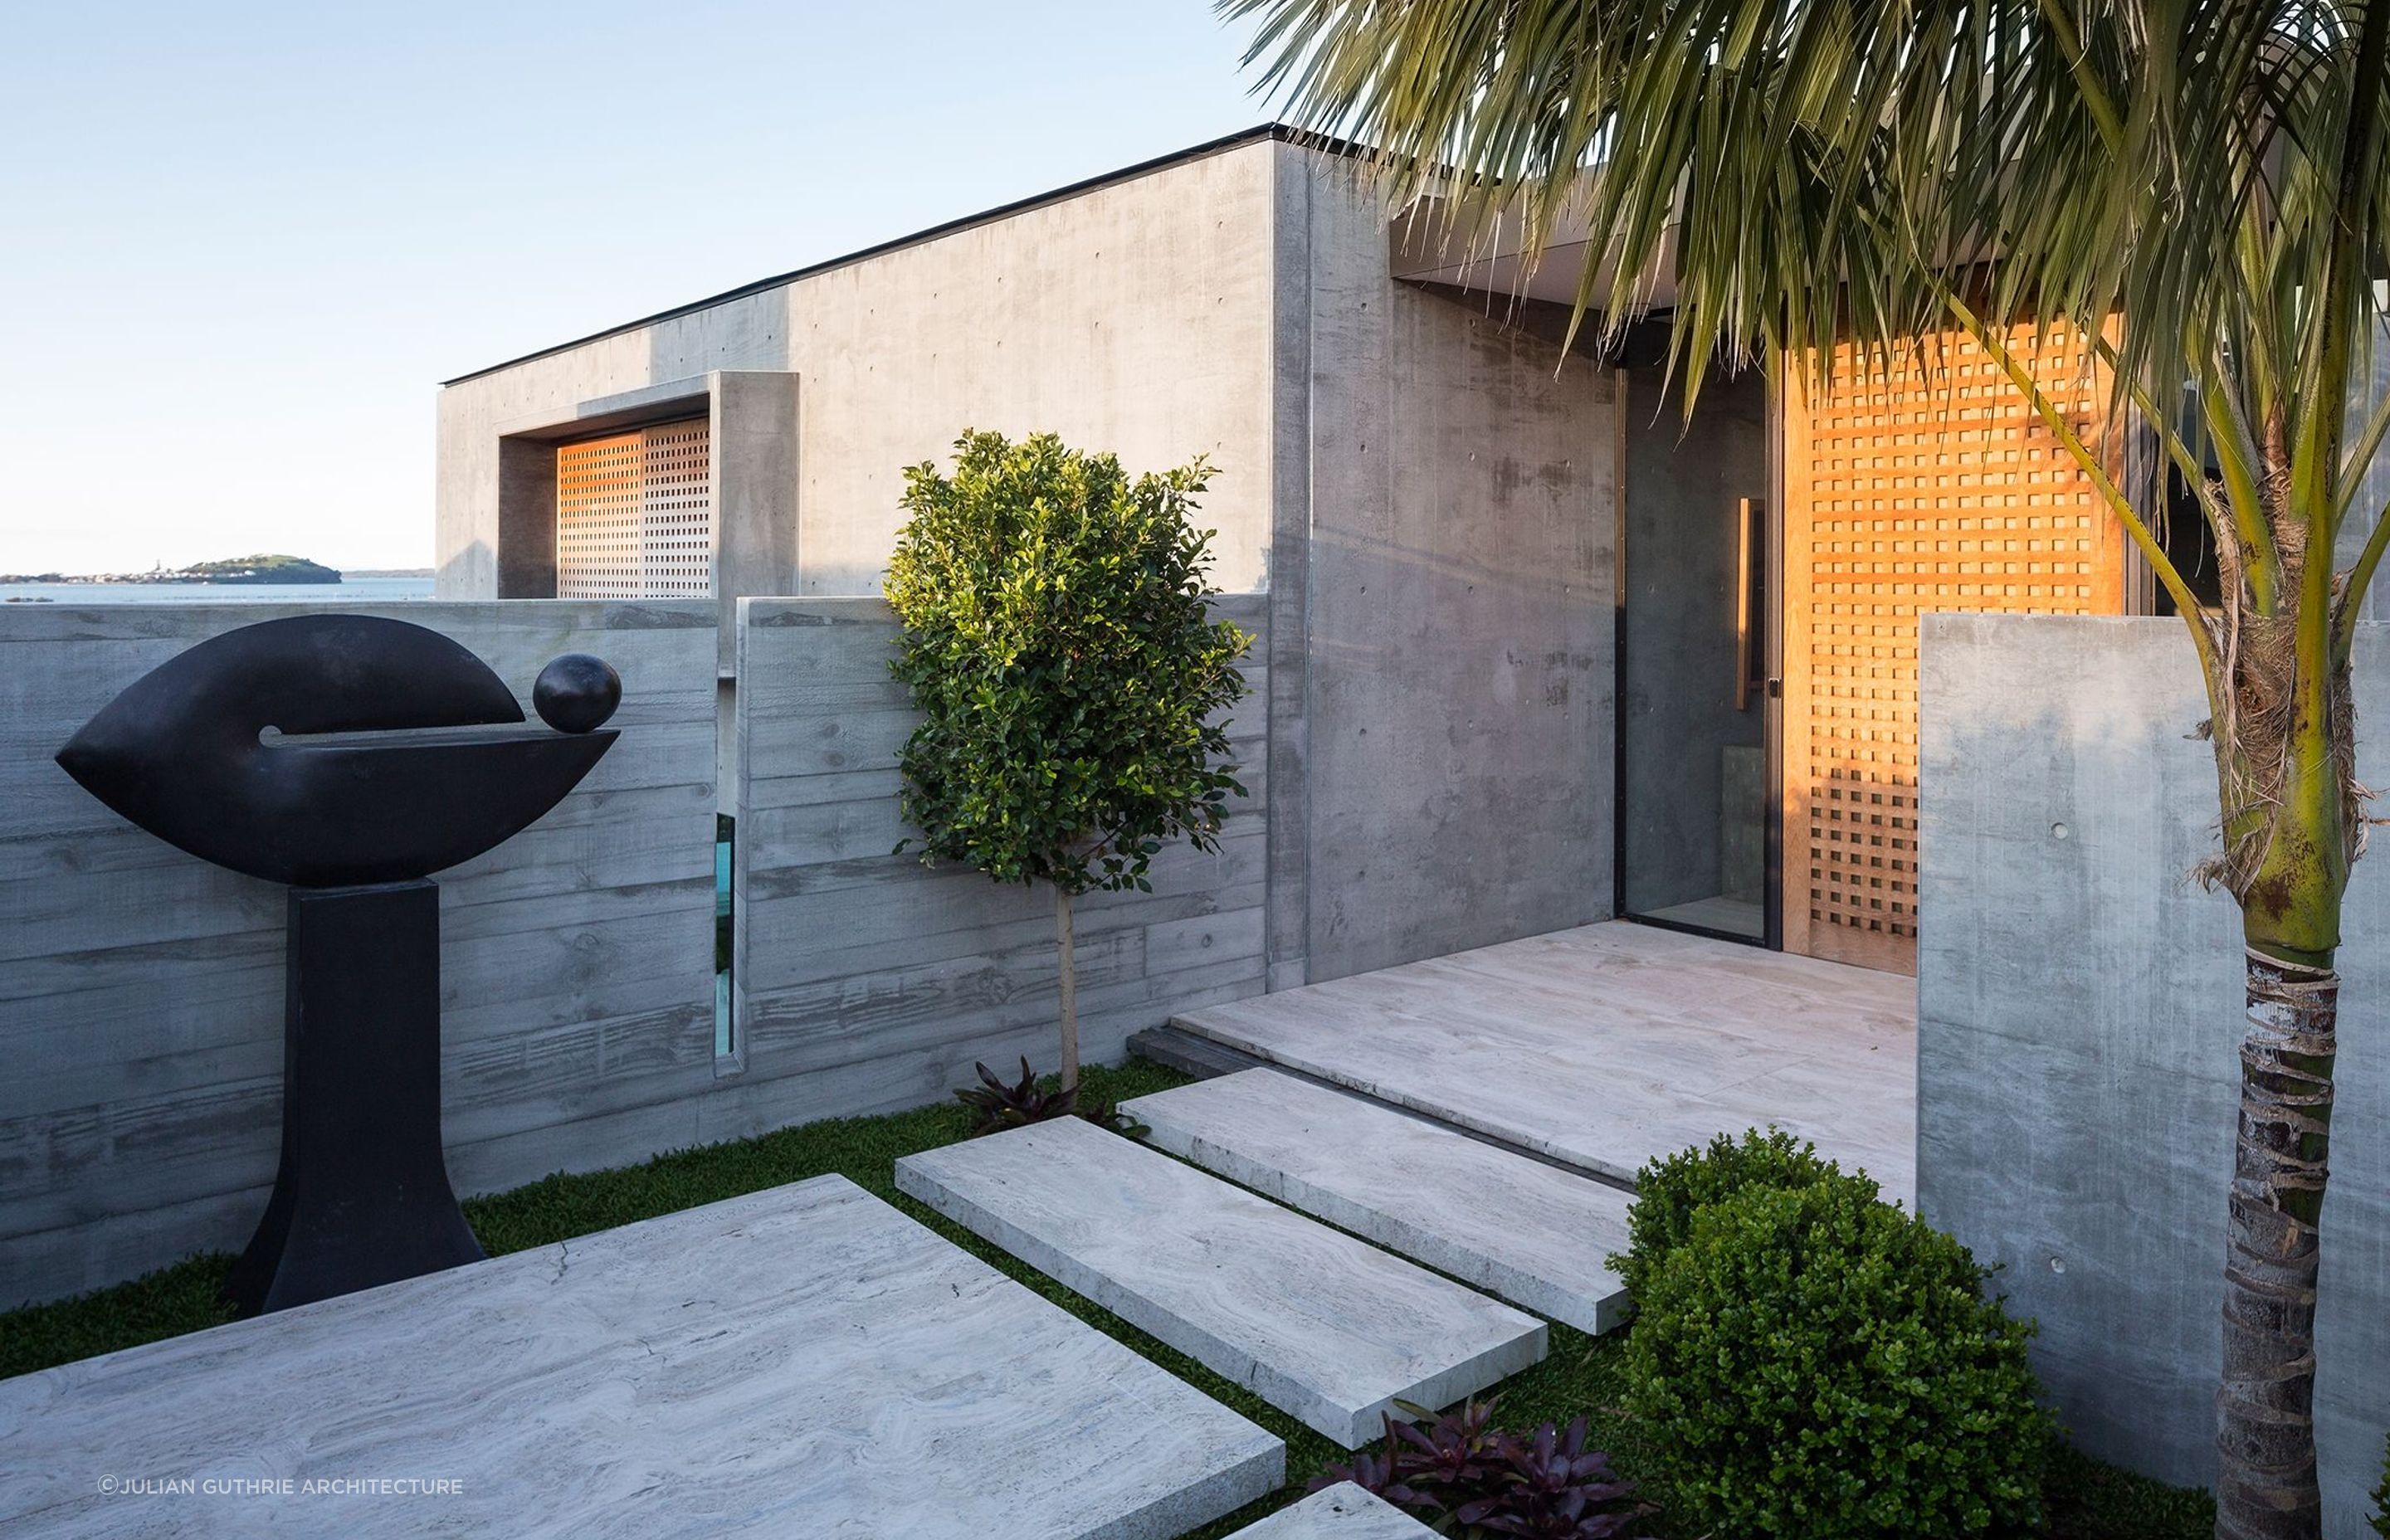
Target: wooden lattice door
[[1911, 492]]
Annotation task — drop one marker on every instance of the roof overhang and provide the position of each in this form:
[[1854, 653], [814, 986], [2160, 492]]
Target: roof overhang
[[1464, 242]]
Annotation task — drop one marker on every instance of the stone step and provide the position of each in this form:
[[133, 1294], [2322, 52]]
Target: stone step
[[1322, 1326], [1188, 1054], [1338, 1512], [1610, 1045], [803, 1360], [1537, 1235]]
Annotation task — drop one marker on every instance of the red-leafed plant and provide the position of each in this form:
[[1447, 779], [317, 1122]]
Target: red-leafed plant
[[1475, 1482]]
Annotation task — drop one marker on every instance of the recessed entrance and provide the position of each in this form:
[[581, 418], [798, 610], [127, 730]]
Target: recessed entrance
[[1693, 631], [1769, 671]]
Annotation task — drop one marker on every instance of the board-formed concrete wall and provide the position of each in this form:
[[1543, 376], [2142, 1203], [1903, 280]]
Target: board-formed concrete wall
[[2078, 1023], [141, 989], [1461, 516], [868, 981]]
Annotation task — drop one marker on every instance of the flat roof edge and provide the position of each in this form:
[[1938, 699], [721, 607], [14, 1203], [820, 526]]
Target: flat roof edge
[[1272, 131]]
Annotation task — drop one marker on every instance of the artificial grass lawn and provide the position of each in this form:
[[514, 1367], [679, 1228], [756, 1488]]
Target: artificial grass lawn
[[2087, 1501]]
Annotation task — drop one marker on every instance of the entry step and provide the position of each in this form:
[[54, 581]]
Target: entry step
[[1338, 1512], [1328, 1329], [1187, 1054], [1537, 1235]]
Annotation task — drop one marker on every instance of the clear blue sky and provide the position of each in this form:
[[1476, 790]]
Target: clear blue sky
[[240, 245]]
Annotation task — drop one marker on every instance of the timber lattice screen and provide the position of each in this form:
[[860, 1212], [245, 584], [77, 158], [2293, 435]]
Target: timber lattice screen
[[634, 515], [1908, 492]]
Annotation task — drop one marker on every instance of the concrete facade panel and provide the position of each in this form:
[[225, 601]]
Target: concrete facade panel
[[1135, 317], [2078, 1024], [1461, 708]]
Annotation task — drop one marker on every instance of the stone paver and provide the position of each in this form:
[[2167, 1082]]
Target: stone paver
[[806, 1360], [1609, 1044], [1338, 1512], [1326, 1327], [1536, 1235]]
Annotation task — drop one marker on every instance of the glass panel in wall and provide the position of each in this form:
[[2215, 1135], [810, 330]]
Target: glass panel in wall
[[1693, 800], [725, 834]]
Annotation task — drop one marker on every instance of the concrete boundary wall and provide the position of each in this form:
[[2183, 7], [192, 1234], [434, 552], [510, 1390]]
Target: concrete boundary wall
[[866, 981], [2079, 1017], [141, 989]]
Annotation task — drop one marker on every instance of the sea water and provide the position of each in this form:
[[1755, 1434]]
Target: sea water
[[363, 590]]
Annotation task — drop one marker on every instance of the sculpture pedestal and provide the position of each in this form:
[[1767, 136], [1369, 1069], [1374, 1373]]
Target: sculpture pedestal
[[362, 1197]]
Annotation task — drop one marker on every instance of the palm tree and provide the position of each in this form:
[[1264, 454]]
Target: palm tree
[[2196, 185]]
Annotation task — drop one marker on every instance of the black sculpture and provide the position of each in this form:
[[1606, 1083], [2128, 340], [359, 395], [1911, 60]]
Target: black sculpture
[[349, 756]]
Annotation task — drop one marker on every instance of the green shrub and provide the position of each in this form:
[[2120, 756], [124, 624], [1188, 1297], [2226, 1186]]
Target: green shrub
[[1670, 1190], [1070, 683], [1813, 1363], [2381, 1519]]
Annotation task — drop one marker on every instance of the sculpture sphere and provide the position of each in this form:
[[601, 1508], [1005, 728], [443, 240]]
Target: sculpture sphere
[[577, 692]]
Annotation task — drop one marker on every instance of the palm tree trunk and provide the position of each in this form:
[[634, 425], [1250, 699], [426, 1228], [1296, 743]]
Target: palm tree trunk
[[2266, 1487], [1069, 991]]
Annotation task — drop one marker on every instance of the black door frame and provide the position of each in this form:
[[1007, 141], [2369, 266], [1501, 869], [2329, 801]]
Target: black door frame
[[1771, 937]]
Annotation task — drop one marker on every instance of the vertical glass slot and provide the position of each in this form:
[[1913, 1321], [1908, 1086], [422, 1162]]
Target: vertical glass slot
[[725, 835]]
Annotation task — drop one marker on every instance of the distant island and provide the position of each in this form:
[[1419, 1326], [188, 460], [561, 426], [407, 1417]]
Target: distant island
[[240, 569]]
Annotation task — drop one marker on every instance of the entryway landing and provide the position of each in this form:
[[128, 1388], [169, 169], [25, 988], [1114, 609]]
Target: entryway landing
[[1604, 1047]]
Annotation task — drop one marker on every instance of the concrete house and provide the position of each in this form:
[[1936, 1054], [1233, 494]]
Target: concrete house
[[1538, 651], [1560, 655], [1533, 651]]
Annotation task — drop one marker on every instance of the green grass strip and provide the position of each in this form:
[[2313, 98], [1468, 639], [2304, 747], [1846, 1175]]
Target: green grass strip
[[2088, 1501]]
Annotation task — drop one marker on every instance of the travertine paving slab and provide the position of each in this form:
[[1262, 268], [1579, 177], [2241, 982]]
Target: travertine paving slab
[[1322, 1326], [1609, 1044], [1338, 1512], [806, 1360], [1537, 1235]]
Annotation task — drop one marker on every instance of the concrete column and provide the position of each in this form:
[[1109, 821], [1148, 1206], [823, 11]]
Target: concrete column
[[754, 468], [526, 555]]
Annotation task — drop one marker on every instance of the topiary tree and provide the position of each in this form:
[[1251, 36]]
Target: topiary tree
[[1814, 1363], [1069, 678]]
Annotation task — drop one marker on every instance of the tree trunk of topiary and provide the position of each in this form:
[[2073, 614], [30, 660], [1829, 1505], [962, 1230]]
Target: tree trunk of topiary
[[2267, 1488], [1070, 990]]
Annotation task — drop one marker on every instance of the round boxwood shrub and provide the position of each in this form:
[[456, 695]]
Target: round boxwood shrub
[[1670, 1190], [1811, 1362]]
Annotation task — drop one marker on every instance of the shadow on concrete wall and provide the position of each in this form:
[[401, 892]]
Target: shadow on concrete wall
[[2079, 1016]]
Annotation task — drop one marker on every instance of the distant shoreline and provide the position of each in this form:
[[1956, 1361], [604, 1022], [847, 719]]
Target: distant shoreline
[[178, 579], [246, 572]]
